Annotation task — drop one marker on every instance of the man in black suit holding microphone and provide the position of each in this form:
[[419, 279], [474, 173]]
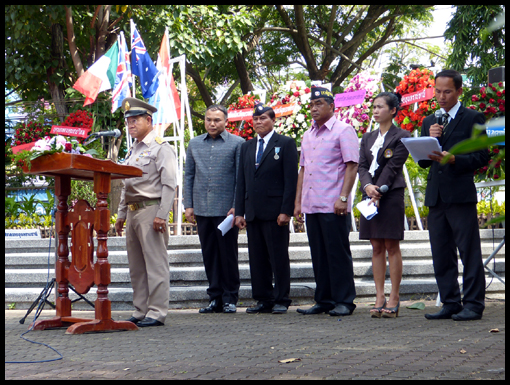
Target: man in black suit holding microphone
[[451, 197], [265, 193]]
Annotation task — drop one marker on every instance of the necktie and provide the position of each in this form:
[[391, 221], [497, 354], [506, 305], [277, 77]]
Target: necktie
[[446, 120], [259, 153]]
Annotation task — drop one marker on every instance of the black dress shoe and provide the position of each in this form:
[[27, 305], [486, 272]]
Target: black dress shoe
[[445, 313], [259, 308], [147, 322], [466, 315], [316, 309], [134, 320], [340, 310], [279, 309], [214, 307]]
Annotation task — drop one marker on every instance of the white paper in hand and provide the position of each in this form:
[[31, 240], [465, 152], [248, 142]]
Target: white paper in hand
[[226, 225], [420, 148], [368, 211]]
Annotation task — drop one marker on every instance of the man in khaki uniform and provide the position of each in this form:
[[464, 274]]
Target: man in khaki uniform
[[145, 203]]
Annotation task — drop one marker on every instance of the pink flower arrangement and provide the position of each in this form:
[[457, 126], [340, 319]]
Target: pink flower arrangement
[[358, 115]]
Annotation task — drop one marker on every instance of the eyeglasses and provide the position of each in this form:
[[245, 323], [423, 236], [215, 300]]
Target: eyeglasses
[[132, 120]]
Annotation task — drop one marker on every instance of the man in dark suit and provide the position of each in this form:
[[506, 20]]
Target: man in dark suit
[[265, 192], [451, 197]]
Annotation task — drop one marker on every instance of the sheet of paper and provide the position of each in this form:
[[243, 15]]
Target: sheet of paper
[[226, 225], [368, 211], [421, 147]]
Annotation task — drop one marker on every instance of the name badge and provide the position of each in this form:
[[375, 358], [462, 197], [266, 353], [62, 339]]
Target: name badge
[[276, 152]]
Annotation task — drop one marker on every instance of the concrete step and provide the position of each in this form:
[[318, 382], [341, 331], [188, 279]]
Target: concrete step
[[193, 275], [196, 297], [26, 269], [193, 257]]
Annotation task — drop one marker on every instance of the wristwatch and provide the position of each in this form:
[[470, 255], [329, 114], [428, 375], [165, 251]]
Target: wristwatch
[[343, 199]]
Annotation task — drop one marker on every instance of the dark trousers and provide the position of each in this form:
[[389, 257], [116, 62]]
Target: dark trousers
[[452, 226], [328, 236], [220, 259], [268, 250]]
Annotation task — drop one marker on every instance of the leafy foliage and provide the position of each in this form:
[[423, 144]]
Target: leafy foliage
[[475, 50]]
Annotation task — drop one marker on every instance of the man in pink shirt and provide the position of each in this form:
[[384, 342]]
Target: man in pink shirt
[[329, 163]]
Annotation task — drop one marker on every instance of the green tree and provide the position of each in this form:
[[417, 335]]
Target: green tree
[[475, 48], [332, 41]]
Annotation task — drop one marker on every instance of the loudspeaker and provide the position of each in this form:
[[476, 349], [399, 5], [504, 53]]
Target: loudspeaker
[[497, 75]]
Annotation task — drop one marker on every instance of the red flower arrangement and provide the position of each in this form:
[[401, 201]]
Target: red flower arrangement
[[417, 80], [246, 129], [490, 100], [79, 118], [495, 169], [29, 132]]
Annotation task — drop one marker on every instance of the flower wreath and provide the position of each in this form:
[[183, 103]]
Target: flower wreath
[[296, 124], [358, 115], [79, 118], [28, 132], [245, 130], [417, 80], [491, 101]]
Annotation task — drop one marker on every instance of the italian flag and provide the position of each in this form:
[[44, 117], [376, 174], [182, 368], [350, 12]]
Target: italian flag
[[100, 76]]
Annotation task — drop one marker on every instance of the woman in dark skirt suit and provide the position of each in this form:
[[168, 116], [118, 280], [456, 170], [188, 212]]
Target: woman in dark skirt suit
[[386, 229]]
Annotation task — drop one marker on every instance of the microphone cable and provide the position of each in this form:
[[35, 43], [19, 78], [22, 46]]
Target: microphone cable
[[41, 305]]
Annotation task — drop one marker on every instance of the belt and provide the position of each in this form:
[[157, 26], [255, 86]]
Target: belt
[[140, 205]]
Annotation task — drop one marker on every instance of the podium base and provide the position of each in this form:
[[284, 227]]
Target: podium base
[[84, 325]]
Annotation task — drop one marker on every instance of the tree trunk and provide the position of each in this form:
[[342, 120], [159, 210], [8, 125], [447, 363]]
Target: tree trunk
[[202, 88], [56, 89], [103, 20], [78, 66], [242, 72]]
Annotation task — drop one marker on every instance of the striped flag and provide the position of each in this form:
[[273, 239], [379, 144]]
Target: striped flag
[[142, 65], [99, 77], [123, 79], [166, 98]]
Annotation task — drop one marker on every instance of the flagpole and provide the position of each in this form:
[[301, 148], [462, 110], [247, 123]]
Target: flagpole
[[132, 24]]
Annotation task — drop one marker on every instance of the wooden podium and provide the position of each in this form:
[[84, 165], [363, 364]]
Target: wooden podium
[[80, 221]]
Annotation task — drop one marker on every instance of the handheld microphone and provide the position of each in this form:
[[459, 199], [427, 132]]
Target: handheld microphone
[[439, 117], [382, 189], [115, 133]]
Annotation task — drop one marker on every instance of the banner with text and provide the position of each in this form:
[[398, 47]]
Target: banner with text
[[419, 96], [350, 98], [70, 131], [246, 113]]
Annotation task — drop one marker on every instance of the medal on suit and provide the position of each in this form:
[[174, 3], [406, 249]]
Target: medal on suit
[[276, 152]]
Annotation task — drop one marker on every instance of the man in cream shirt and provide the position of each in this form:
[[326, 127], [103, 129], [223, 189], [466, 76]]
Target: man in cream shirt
[[145, 203]]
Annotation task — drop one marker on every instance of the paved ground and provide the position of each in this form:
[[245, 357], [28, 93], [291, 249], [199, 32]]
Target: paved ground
[[243, 346]]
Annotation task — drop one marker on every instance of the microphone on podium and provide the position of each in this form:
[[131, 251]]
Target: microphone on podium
[[92, 137], [115, 133]]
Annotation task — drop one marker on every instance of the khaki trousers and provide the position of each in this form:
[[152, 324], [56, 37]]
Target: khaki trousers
[[148, 264]]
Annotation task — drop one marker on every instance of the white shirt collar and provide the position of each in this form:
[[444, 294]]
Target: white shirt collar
[[266, 138], [453, 111]]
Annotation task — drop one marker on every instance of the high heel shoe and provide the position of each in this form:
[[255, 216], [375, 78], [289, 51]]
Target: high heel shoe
[[393, 311], [375, 312]]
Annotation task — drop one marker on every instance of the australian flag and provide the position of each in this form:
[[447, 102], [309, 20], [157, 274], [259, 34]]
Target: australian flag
[[123, 78], [142, 65]]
